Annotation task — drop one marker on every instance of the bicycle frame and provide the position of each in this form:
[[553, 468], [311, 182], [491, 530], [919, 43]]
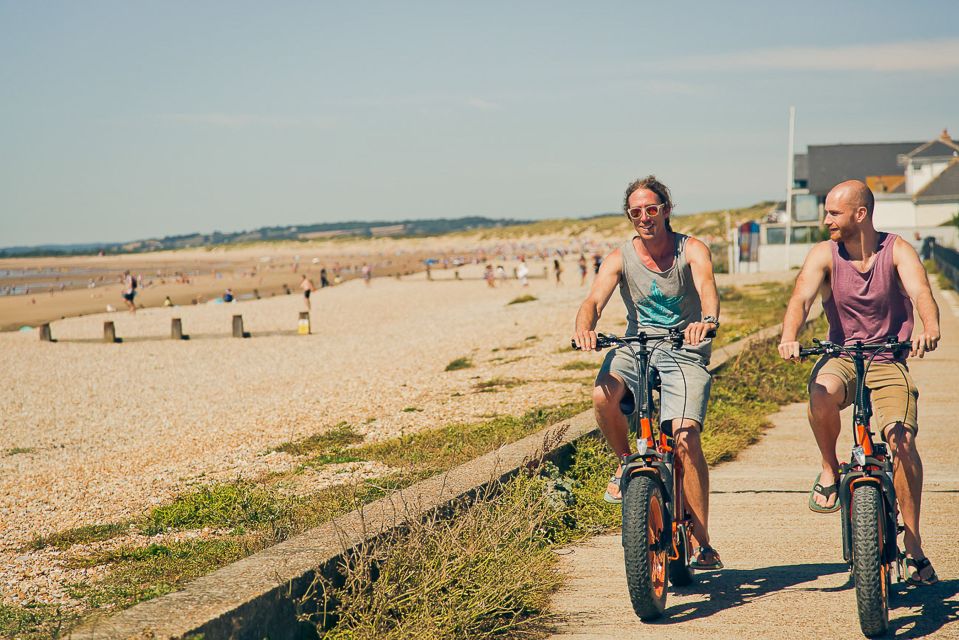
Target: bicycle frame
[[654, 457], [870, 462]]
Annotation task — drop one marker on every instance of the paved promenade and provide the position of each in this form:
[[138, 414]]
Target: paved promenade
[[785, 576]]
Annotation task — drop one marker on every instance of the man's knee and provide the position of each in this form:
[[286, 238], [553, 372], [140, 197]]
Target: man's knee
[[687, 442], [607, 393], [902, 441], [826, 393]]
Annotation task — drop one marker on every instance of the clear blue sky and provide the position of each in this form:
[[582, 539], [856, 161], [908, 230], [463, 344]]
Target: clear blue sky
[[124, 120]]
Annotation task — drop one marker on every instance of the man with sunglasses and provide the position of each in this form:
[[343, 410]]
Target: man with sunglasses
[[666, 282]]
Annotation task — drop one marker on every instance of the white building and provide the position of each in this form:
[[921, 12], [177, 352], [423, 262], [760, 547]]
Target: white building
[[926, 194]]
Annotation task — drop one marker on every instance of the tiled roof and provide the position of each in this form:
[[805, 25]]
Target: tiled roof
[[945, 186], [938, 148], [831, 164]]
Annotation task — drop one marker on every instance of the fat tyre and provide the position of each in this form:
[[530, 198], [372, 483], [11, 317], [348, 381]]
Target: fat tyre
[[645, 570], [680, 575], [868, 569]]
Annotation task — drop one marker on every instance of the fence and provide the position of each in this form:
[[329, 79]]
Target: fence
[[947, 261]]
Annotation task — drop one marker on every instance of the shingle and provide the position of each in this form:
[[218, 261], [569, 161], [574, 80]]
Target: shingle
[[944, 186], [834, 163], [937, 148]]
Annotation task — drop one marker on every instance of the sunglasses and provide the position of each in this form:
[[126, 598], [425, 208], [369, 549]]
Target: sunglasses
[[651, 211]]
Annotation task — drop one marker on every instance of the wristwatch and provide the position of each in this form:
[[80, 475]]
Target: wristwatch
[[712, 319]]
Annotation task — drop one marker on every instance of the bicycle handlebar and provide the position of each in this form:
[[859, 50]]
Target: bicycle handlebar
[[604, 340], [831, 348]]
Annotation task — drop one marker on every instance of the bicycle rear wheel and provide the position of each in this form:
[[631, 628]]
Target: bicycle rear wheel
[[645, 543], [869, 571]]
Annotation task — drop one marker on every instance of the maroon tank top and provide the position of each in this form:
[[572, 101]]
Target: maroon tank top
[[867, 306]]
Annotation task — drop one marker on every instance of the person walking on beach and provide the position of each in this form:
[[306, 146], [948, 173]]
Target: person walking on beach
[[558, 271], [129, 291], [306, 286], [489, 276], [868, 282], [324, 280], [582, 269], [522, 272], [666, 282], [367, 273]]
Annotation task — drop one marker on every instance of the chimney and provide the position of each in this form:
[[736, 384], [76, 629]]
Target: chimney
[[945, 135]]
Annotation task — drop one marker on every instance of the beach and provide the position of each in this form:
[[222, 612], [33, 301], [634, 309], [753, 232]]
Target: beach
[[102, 432]]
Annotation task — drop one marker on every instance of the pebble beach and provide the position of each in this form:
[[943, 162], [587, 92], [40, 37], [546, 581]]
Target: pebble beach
[[102, 432]]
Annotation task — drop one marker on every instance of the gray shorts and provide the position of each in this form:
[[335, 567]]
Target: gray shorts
[[685, 381]]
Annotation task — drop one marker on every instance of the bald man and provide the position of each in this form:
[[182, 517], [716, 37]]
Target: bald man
[[869, 282]]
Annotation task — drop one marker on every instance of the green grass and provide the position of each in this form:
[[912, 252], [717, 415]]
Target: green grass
[[487, 573], [495, 384], [34, 622], [523, 298], [139, 574], [459, 363], [13, 451], [442, 449], [340, 436], [79, 535], [580, 365], [746, 310], [746, 390], [226, 505]]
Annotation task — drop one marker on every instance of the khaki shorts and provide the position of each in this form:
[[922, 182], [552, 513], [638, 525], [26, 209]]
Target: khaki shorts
[[894, 394]]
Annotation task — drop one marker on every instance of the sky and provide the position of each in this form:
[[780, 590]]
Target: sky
[[128, 120]]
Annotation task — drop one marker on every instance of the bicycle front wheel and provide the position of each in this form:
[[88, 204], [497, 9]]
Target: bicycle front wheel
[[645, 543], [869, 571]]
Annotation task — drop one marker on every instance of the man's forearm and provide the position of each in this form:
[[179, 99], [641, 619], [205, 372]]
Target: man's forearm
[[710, 302], [587, 317], [796, 314], [928, 311]]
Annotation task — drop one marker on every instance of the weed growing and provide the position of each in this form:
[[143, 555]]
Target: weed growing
[[488, 572], [580, 365], [495, 384], [34, 622], [340, 436], [79, 535], [459, 363], [442, 449], [14, 451], [523, 298]]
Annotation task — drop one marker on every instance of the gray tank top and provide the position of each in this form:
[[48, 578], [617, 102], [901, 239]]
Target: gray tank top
[[657, 301]]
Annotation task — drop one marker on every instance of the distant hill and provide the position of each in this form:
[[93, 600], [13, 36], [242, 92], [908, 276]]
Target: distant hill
[[403, 228], [710, 223]]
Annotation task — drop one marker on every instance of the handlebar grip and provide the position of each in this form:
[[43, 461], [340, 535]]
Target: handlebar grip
[[805, 353]]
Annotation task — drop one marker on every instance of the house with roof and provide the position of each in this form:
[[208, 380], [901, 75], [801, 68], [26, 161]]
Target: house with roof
[[916, 185], [925, 191]]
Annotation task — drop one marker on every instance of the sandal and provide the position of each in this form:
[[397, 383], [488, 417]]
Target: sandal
[[698, 561], [919, 566], [825, 492], [610, 498]]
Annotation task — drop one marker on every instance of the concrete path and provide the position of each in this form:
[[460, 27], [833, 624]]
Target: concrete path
[[785, 576]]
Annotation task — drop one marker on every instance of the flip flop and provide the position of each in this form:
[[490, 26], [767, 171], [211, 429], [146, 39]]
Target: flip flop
[[919, 565], [705, 566], [610, 498], [824, 492]]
